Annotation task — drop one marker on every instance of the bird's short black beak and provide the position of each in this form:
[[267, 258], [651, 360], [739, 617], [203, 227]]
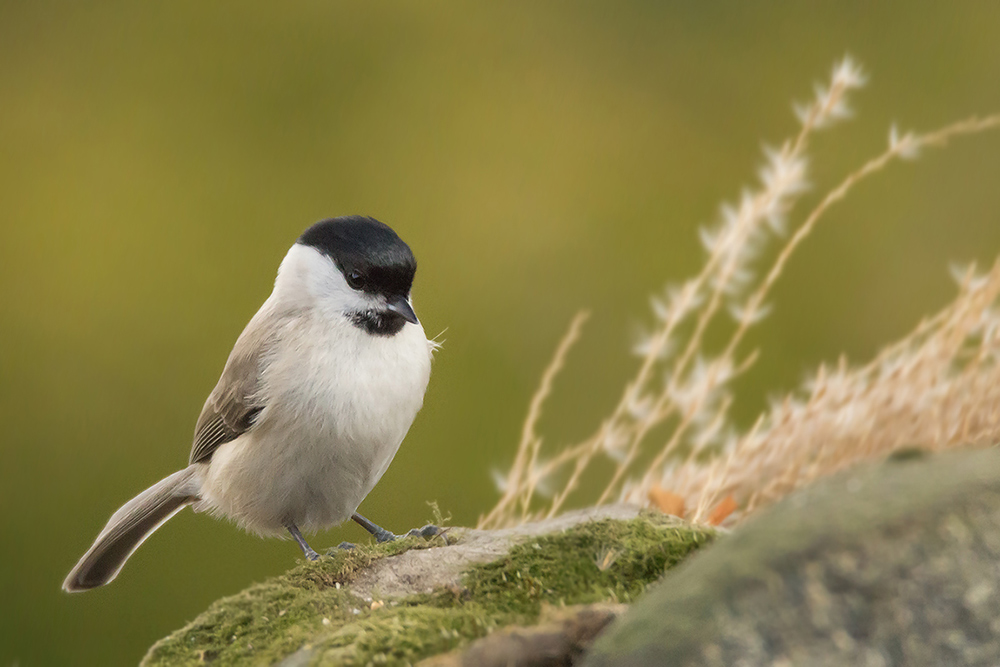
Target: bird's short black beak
[[401, 306]]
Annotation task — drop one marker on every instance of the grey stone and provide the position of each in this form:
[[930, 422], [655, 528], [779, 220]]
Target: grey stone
[[891, 564]]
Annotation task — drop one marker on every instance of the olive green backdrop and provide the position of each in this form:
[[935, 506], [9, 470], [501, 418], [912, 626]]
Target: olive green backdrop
[[157, 159]]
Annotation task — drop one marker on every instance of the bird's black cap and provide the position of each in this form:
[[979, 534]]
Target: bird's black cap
[[366, 248]]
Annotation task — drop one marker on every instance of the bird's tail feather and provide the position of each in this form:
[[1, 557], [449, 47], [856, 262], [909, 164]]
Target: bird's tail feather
[[129, 527]]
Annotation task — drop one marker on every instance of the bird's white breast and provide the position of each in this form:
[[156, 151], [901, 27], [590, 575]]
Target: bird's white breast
[[338, 403]]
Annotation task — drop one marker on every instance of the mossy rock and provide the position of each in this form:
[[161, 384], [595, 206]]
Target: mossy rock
[[335, 611], [890, 564]]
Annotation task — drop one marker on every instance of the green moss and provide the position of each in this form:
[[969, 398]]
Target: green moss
[[275, 618], [403, 634], [604, 560]]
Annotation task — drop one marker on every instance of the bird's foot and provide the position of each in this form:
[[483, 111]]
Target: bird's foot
[[429, 531], [382, 535], [347, 546]]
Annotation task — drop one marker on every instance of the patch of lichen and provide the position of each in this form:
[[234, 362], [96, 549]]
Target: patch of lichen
[[603, 560]]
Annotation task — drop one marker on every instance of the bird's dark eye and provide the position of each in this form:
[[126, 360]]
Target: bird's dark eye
[[355, 279]]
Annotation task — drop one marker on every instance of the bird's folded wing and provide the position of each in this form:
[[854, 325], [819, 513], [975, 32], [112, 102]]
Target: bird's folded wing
[[236, 401]]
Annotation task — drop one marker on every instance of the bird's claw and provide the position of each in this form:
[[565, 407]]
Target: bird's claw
[[430, 531], [383, 536], [427, 532]]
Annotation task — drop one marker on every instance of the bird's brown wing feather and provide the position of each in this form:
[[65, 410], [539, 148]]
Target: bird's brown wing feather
[[236, 401]]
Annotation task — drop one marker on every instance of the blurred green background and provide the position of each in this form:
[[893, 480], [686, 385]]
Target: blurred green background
[[157, 160]]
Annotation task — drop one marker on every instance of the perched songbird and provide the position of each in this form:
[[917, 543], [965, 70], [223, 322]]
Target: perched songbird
[[315, 399]]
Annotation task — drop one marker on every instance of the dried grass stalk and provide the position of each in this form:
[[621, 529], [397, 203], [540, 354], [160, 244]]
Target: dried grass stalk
[[938, 387]]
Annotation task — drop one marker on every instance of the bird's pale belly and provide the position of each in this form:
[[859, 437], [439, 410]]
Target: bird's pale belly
[[313, 466], [313, 483]]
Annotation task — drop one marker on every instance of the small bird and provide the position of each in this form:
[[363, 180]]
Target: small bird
[[313, 403]]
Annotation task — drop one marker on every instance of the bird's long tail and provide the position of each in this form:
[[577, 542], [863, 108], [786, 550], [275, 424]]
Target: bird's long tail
[[129, 527]]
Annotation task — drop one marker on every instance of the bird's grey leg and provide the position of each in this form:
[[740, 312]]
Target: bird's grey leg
[[306, 549], [383, 535], [380, 533]]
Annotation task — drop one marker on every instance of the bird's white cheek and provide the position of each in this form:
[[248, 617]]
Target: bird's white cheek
[[311, 279]]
